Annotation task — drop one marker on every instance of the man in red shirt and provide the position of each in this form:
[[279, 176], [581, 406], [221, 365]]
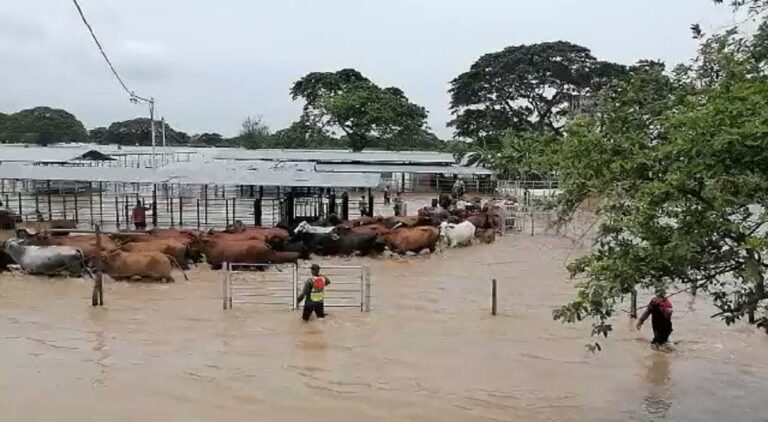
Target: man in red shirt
[[139, 216], [660, 311], [314, 292]]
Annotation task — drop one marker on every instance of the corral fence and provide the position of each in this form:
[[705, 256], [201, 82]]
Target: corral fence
[[279, 286], [544, 223], [528, 191]]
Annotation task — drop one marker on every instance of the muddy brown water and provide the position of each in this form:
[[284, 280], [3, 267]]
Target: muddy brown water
[[429, 351]]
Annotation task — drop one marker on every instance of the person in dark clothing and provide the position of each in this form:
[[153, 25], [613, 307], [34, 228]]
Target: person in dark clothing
[[387, 200], [314, 292], [660, 311], [139, 216]]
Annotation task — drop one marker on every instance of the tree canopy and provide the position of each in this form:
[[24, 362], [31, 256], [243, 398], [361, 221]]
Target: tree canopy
[[525, 88], [41, 125], [679, 163], [138, 132], [365, 113]]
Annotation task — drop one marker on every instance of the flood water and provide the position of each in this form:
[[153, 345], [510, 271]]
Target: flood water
[[429, 351]]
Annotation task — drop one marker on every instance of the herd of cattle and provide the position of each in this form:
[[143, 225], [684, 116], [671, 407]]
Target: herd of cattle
[[153, 255]]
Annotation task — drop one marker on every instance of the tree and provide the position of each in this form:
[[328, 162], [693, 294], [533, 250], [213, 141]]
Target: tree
[[254, 133], [525, 88], [208, 139], [42, 125], [679, 164], [98, 135], [138, 132], [364, 112]]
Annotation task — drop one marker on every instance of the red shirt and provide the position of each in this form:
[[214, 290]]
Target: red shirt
[[139, 215]]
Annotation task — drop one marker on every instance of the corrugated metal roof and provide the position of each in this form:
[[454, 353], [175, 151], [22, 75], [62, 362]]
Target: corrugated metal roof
[[198, 172], [40, 154], [338, 156], [402, 168]]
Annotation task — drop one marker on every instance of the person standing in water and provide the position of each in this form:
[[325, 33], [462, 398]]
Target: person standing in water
[[139, 216], [660, 311], [314, 292]]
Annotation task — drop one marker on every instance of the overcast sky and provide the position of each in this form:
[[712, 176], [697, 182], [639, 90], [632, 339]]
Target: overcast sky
[[209, 64]]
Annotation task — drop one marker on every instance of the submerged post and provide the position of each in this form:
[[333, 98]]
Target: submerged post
[[97, 297], [154, 205], [197, 209], [493, 297], [345, 206], [633, 305]]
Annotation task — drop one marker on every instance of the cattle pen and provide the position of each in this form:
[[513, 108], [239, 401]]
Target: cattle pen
[[213, 188]]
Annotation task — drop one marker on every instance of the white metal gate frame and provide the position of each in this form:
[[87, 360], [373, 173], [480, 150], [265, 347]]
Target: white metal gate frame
[[234, 292]]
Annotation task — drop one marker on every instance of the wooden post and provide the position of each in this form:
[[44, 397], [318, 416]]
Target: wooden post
[[154, 205], [226, 211], [170, 208], [197, 208], [633, 305], [50, 212], [532, 222], [90, 202], [37, 202], [101, 205], [181, 212], [77, 212], [127, 212], [493, 297], [117, 213], [64, 205], [206, 204], [370, 202], [21, 212], [97, 298], [345, 206], [234, 211]]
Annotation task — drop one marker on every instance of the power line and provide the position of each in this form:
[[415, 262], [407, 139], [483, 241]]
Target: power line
[[101, 49]]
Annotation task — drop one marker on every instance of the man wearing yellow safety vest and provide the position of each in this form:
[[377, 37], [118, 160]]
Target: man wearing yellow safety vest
[[314, 292]]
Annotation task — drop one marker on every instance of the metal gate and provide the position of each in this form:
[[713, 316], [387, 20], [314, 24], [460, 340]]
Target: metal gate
[[280, 286], [260, 284]]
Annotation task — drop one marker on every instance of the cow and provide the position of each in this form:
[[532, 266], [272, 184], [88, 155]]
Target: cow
[[86, 243], [156, 266], [485, 235], [349, 244], [377, 229], [457, 234], [5, 261], [412, 239], [172, 247], [480, 220], [283, 257], [305, 227], [265, 234], [393, 222], [7, 220], [46, 260], [219, 251]]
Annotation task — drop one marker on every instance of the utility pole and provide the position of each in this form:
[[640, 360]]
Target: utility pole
[[152, 123], [164, 152]]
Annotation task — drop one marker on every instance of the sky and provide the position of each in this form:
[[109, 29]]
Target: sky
[[210, 64]]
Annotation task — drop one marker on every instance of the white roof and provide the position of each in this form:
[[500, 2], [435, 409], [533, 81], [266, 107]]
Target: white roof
[[261, 173], [338, 156]]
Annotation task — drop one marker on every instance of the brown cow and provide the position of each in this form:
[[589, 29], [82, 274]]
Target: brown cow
[[485, 235], [172, 247], [265, 234], [377, 229], [393, 222], [156, 266], [284, 257], [219, 251], [412, 239]]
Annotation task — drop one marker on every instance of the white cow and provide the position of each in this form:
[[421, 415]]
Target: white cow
[[457, 234], [305, 227], [47, 260]]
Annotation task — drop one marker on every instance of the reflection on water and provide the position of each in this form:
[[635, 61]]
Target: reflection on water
[[658, 401], [430, 351]]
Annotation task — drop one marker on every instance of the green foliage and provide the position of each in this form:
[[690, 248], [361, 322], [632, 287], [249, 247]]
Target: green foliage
[[364, 112], [138, 132], [525, 88], [254, 133], [680, 164], [41, 125]]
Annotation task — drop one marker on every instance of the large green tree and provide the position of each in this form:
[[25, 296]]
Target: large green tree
[[525, 88], [679, 162], [42, 125], [138, 132], [364, 112]]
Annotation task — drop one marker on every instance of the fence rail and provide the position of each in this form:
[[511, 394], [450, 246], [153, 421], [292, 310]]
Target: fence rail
[[267, 285]]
